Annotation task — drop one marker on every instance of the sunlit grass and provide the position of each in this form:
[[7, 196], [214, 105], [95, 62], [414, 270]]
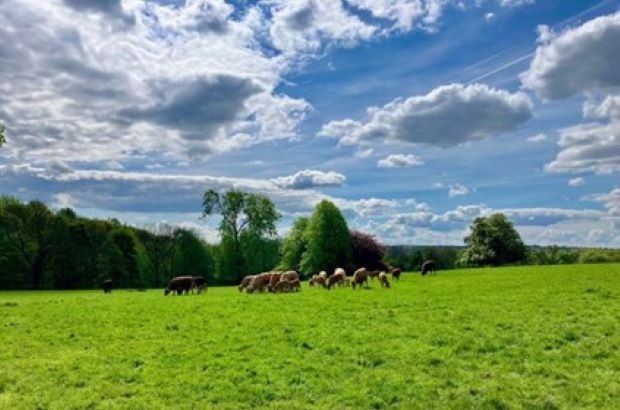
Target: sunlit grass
[[530, 337]]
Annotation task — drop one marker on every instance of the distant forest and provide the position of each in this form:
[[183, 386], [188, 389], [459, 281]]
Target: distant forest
[[42, 248]]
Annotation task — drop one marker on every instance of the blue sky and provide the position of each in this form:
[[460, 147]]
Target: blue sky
[[414, 116]]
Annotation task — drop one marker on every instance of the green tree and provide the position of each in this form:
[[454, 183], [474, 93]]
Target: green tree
[[119, 260], [28, 233], [328, 240], [294, 246], [241, 214], [493, 241], [192, 256]]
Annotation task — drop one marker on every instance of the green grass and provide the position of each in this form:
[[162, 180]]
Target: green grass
[[530, 337]]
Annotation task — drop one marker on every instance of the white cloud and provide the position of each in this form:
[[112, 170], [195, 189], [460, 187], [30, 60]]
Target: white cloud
[[575, 182], [591, 147], [309, 178], [538, 138], [400, 161], [579, 59], [364, 153], [64, 200], [489, 16], [307, 25], [458, 190], [611, 201], [446, 116]]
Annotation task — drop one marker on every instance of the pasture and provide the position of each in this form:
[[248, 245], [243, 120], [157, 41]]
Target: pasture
[[503, 338]]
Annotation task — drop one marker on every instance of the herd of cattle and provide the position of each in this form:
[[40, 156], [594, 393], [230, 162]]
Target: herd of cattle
[[289, 281]]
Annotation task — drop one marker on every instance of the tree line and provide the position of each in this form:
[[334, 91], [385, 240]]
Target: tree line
[[41, 248]]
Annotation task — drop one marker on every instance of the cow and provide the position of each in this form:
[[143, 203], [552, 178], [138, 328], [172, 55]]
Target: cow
[[294, 285], [107, 286], [258, 282], [359, 277], [317, 280], [373, 274], [289, 275], [323, 274], [281, 286], [245, 282], [200, 283], [396, 273], [274, 277], [428, 267], [179, 285], [337, 278], [383, 280]]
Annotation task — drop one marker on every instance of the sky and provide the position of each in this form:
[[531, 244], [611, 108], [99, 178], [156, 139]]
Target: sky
[[413, 116]]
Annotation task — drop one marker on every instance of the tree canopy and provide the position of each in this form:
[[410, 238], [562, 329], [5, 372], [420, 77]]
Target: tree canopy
[[493, 240], [328, 244]]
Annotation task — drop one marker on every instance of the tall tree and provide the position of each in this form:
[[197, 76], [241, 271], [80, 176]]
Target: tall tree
[[493, 241], [28, 230], [192, 256], [367, 252], [294, 245], [328, 241], [241, 213]]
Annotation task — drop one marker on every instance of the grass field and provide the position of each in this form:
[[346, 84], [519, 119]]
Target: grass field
[[530, 337]]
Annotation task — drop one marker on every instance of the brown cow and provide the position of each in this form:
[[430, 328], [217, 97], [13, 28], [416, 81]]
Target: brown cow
[[317, 280], [373, 274], [179, 285], [337, 278], [245, 282], [383, 280], [258, 282], [289, 275], [396, 273], [199, 283], [360, 277], [281, 286], [274, 277], [294, 285]]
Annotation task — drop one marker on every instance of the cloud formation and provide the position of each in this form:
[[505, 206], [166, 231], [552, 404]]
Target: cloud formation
[[309, 178], [400, 161], [579, 59], [448, 115]]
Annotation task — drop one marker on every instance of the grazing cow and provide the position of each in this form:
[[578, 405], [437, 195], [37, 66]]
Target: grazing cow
[[282, 286], [337, 278], [323, 274], [200, 283], [274, 277], [294, 285], [258, 282], [107, 286], [359, 277], [179, 285], [289, 275], [245, 282], [383, 280], [317, 280], [428, 267], [373, 274], [396, 273]]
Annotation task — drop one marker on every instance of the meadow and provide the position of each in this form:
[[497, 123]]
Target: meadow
[[541, 337]]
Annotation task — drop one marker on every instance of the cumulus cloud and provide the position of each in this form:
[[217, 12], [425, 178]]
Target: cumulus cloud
[[309, 178], [448, 115], [400, 161], [611, 200], [579, 59], [458, 190], [307, 25], [591, 147]]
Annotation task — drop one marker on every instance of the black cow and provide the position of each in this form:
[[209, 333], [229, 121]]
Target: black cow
[[428, 267], [200, 283], [107, 286], [180, 285]]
